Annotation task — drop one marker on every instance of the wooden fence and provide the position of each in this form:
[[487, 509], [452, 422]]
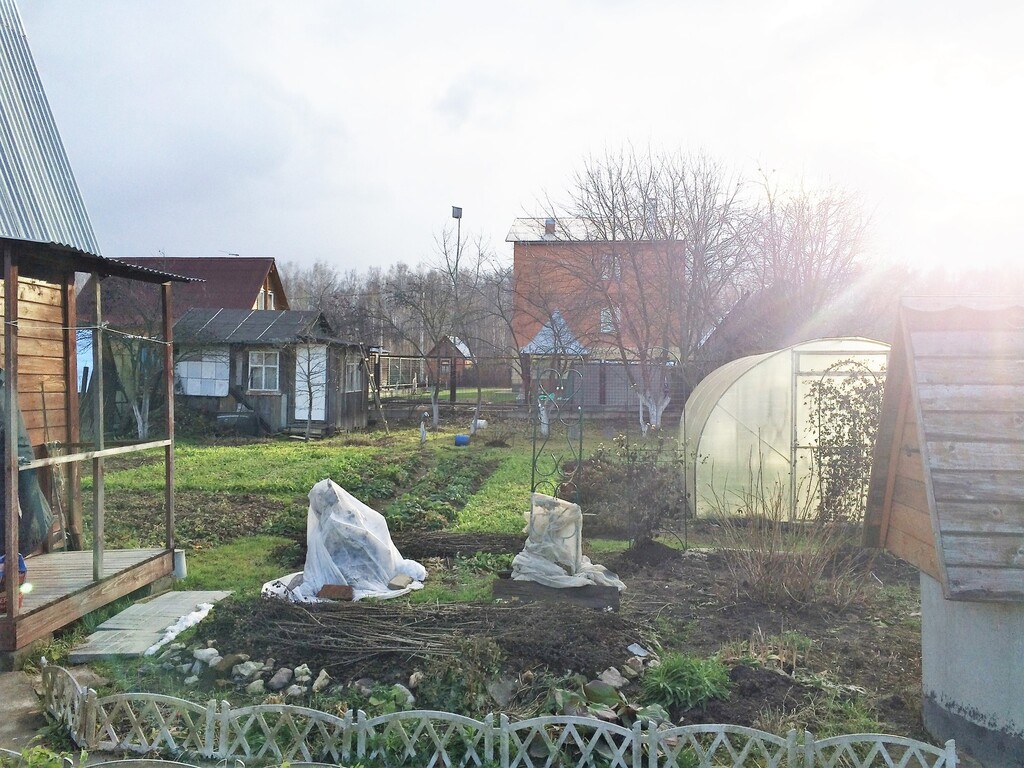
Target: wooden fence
[[280, 733]]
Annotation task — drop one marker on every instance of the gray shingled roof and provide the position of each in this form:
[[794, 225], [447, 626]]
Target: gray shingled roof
[[555, 338], [251, 326], [39, 198]]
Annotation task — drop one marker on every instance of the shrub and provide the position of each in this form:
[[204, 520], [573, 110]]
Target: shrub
[[636, 489], [686, 682]]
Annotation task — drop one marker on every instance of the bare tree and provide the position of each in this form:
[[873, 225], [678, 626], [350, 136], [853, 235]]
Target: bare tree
[[658, 243]]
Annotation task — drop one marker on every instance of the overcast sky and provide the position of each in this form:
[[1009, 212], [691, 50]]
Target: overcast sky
[[344, 131]]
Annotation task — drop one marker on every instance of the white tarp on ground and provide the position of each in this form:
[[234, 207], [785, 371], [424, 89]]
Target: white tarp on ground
[[347, 543], [553, 554]]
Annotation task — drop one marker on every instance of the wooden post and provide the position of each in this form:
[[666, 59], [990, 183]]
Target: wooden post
[[73, 500], [97, 463], [10, 469], [169, 390]]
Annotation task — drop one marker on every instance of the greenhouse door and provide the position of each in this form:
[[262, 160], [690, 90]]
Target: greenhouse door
[[311, 382]]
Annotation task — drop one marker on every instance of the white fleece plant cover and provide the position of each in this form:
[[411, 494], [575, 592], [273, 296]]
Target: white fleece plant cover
[[347, 543], [553, 554]]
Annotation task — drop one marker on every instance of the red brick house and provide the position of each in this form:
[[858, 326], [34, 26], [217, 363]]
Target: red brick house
[[617, 299]]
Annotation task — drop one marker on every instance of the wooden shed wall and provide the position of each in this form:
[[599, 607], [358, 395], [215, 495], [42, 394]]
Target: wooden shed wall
[[42, 355], [960, 371]]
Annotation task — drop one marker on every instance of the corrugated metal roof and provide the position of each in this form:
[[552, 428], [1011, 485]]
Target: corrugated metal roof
[[256, 326], [39, 198]]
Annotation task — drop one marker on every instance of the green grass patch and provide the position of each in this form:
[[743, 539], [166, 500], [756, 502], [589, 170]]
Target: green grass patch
[[243, 566], [499, 504]]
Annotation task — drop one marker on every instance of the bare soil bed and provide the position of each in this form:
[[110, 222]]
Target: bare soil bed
[[686, 601]]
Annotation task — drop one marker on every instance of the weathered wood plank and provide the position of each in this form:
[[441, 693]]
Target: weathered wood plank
[[918, 553], [909, 464], [971, 398], [910, 493], [913, 522], [978, 486], [955, 455], [1004, 550], [946, 425], [969, 370], [974, 343], [986, 584], [35, 365], [981, 517]]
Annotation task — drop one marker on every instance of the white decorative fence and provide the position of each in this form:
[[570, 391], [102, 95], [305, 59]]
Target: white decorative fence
[[150, 723]]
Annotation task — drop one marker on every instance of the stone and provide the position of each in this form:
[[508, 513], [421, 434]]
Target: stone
[[191, 680], [410, 700], [185, 669], [613, 677], [302, 674], [281, 679], [229, 662], [322, 681], [634, 663], [295, 690], [256, 688], [197, 667], [364, 686], [401, 581], [638, 650], [502, 691], [415, 679], [247, 670], [629, 673], [206, 655]]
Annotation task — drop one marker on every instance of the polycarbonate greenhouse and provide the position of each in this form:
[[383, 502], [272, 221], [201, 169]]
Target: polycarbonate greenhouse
[[749, 427]]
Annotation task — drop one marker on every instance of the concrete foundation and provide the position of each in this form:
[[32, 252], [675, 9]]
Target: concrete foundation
[[972, 664]]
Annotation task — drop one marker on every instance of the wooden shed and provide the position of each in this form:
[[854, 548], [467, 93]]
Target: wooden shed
[[46, 240], [947, 488], [947, 494]]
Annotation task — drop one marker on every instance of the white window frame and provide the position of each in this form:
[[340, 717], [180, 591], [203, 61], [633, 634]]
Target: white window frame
[[611, 267], [353, 376], [610, 319], [259, 360]]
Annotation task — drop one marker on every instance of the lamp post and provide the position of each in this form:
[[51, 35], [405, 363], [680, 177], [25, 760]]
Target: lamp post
[[457, 215]]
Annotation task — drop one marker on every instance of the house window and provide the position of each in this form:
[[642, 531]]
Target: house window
[[610, 319], [270, 300], [263, 371], [203, 374], [353, 376], [611, 267]]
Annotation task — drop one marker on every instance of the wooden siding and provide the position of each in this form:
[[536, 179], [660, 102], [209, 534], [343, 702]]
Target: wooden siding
[[963, 370], [41, 360]]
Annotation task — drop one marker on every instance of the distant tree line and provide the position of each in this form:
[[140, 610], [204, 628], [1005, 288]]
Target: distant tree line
[[748, 266]]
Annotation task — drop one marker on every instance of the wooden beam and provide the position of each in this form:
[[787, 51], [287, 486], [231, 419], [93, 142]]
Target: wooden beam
[[168, 318], [72, 458], [10, 404], [98, 421]]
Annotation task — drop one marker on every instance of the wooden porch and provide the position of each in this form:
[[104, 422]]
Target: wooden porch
[[63, 589]]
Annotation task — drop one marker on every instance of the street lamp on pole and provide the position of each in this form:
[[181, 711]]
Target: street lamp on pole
[[457, 215]]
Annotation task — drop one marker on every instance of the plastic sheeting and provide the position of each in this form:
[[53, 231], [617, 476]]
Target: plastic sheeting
[[747, 429], [347, 543], [553, 555]]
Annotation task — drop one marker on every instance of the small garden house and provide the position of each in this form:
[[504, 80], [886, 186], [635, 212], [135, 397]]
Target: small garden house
[[947, 494]]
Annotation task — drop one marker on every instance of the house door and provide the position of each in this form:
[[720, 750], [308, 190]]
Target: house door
[[310, 382]]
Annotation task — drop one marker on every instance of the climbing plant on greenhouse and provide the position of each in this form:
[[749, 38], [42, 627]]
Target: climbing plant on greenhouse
[[844, 406]]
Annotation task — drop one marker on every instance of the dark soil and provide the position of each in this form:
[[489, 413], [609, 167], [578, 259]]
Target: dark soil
[[687, 602]]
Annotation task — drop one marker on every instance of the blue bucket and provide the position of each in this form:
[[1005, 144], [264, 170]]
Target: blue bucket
[[462, 439]]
